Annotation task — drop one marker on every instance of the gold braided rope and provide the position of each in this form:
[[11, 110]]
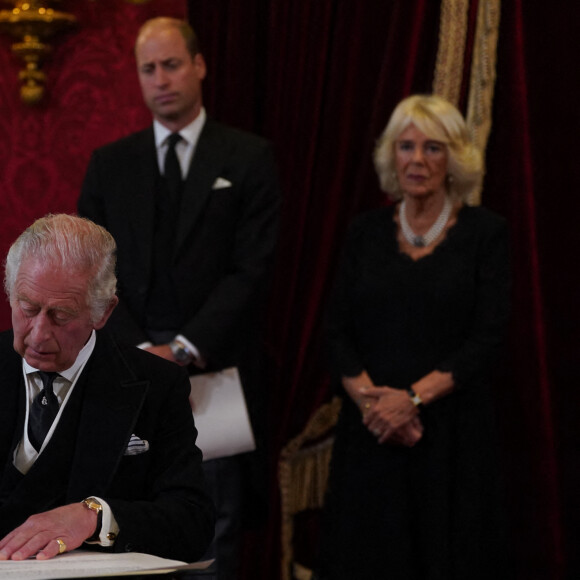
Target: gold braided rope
[[452, 33], [449, 67], [483, 73], [303, 470]]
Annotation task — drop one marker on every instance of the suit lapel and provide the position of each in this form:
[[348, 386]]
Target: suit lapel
[[112, 399], [12, 395], [204, 169]]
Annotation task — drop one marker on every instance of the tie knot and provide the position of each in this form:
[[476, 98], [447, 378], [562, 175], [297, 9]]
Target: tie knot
[[173, 140], [47, 378]]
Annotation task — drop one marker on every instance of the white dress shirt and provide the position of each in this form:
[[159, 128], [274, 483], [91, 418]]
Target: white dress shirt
[[184, 150], [25, 454]]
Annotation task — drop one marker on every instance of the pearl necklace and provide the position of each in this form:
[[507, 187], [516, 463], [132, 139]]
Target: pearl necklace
[[434, 231]]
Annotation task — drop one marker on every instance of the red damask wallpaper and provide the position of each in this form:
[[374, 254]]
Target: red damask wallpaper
[[92, 98]]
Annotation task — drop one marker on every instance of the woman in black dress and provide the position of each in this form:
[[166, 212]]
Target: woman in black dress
[[417, 317]]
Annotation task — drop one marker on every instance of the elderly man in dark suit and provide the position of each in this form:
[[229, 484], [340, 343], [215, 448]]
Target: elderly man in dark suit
[[97, 440], [193, 206]]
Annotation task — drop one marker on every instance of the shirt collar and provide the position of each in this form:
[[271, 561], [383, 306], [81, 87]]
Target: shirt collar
[[71, 373], [190, 132]]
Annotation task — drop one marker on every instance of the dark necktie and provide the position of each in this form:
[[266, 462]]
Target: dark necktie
[[172, 169], [43, 411], [162, 300]]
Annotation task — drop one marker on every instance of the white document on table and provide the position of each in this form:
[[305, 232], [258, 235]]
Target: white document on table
[[86, 564], [221, 415]]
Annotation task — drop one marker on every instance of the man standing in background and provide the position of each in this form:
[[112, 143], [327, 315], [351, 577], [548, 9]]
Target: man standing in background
[[193, 207]]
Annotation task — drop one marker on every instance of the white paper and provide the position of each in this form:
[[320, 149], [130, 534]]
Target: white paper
[[86, 564], [221, 415]]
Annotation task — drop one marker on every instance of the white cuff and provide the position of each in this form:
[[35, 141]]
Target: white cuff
[[109, 526]]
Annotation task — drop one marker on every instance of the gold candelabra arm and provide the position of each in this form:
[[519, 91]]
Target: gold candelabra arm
[[32, 23]]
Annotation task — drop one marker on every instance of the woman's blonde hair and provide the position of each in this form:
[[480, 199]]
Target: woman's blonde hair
[[438, 120]]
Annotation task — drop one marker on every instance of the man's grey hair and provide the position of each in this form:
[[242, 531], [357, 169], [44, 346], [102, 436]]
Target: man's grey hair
[[74, 244]]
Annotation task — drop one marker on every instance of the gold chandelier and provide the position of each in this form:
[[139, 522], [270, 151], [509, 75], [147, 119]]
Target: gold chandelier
[[32, 23]]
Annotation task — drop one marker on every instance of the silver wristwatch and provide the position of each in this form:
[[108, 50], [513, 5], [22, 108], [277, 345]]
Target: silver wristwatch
[[180, 352], [415, 398]]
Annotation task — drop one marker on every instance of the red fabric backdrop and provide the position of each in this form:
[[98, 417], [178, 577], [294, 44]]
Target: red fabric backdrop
[[320, 80], [92, 98]]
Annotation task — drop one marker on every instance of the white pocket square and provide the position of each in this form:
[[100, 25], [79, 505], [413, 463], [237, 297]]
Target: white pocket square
[[221, 183], [136, 446]]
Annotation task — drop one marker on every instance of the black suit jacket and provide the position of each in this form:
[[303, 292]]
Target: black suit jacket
[[158, 497], [225, 237]]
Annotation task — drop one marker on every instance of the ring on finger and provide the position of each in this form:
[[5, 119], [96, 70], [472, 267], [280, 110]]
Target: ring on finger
[[376, 432], [61, 546]]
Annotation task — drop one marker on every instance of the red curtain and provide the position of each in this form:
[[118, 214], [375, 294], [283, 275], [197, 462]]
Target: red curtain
[[532, 178], [92, 97], [320, 80]]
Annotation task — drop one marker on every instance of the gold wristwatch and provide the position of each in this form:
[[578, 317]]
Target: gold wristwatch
[[94, 505]]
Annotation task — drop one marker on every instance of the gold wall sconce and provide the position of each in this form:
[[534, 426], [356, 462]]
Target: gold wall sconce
[[32, 23]]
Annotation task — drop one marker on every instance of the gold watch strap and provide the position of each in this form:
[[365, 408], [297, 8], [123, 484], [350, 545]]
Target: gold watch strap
[[94, 505]]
